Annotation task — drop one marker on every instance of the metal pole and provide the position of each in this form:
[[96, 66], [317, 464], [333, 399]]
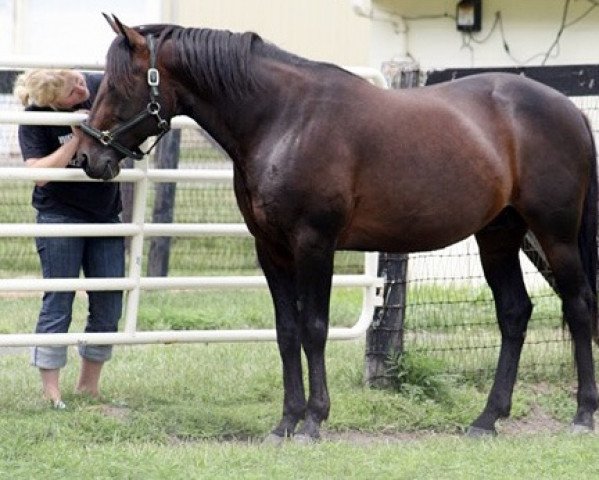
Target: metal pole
[[136, 247]]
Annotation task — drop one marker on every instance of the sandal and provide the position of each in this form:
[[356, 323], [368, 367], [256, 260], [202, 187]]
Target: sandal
[[58, 405]]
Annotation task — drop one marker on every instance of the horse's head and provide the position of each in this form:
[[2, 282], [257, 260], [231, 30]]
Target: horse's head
[[132, 104]]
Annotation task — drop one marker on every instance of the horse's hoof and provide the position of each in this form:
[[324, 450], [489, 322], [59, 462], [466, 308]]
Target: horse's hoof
[[303, 439], [273, 439], [579, 429], [477, 432]]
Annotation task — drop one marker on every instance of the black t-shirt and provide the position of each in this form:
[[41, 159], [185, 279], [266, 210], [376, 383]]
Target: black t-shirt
[[92, 201]]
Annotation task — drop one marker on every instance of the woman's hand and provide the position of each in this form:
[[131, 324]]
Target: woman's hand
[[75, 128]]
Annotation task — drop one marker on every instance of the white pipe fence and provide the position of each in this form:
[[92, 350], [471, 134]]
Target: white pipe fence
[[134, 282]]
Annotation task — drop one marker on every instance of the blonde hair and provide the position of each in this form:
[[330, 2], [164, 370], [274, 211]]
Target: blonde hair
[[42, 86]]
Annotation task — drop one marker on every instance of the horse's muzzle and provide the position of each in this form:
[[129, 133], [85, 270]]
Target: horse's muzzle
[[103, 168]]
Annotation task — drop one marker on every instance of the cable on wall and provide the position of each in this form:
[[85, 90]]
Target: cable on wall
[[553, 50]]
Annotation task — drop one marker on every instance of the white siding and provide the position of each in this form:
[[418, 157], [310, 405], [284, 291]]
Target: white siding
[[318, 29], [530, 27], [73, 29]]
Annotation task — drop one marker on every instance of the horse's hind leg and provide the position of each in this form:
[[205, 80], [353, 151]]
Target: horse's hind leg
[[499, 245], [280, 275], [577, 308]]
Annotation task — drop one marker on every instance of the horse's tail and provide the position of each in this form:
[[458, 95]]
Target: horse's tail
[[587, 235]]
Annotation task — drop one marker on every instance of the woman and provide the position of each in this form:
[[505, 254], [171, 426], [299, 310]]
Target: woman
[[70, 202]]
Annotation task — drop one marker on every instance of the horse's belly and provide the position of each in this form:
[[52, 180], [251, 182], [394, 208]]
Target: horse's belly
[[420, 215], [405, 240], [396, 245]]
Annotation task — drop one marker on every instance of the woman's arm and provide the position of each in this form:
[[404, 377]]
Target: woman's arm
[[60, 158]]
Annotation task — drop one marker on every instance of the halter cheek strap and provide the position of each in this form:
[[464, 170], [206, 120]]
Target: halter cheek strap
[[108, 138]]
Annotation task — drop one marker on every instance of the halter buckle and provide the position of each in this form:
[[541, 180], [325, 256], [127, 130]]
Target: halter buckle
[[153, 77], [105, 138]]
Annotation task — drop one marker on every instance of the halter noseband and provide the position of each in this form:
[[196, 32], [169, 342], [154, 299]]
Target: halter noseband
[[108, 138]]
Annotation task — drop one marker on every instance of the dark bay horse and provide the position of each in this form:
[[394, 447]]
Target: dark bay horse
[[323, 161]]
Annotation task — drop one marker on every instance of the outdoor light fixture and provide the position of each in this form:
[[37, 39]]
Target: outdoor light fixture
[[468, 15]]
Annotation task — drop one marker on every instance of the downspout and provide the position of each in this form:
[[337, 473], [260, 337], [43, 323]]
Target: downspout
[[365, 9]]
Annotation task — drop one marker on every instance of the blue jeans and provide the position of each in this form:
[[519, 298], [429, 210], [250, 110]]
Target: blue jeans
[[65, 257]]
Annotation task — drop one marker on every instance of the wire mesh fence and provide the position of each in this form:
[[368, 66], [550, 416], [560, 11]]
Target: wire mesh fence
[[450, 315]]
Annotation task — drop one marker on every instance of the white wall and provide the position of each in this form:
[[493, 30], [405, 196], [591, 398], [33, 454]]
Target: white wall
[[70, 29], [75, 29], [425, 31], [324, 30], [6, 26]]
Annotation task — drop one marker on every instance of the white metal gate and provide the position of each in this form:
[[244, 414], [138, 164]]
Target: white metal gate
[[138, 229]]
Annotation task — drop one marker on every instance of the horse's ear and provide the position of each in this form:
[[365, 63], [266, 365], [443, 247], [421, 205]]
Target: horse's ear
[[134, 39], [110, 21]]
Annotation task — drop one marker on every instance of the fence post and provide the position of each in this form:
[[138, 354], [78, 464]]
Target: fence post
[[127, 189], [385, 334], [167, 156], [384, 337], [138, 215]]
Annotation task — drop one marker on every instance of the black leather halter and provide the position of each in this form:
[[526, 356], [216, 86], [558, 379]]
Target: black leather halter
[[109, 137]]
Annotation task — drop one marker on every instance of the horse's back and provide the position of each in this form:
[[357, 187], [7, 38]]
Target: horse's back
[[551, 149], [451, 157]]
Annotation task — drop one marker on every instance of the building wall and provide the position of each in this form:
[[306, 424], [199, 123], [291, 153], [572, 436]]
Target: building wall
[[330, 30], [67, 30], [325, 30], [425, 31]]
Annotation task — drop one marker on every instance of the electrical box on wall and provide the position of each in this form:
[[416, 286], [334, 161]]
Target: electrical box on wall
[[469, 15]]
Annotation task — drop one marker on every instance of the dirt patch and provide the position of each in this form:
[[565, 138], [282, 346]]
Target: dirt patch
[[536, 422], [120, 413]]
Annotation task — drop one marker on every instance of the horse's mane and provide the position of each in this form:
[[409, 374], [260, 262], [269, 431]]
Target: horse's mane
[[216, 61]]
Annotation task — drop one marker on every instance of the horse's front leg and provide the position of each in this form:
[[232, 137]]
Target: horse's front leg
[[280, 276], [314, 266]]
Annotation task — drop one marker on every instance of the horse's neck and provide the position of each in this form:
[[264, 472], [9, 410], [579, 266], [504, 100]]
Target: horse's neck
[[238, 123], [221, 124], [233, 123]]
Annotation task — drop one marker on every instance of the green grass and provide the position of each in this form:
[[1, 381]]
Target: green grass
[[200, 411], [436, 458]]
